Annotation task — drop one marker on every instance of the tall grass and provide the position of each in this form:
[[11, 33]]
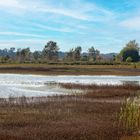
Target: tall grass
[[129, 115]]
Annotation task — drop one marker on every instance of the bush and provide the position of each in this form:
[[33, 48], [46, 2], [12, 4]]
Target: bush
[[129, 59], [131, 50]]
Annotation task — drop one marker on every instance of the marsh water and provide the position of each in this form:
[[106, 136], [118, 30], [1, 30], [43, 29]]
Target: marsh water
[[37, 85]]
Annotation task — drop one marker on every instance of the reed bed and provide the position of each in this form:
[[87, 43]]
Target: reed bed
[[95, 86], [66, 117], [104, 91], [129, 115], [59, 120]]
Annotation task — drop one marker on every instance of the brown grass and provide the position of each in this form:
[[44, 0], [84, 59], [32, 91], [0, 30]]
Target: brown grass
[[64, 117], [104, 91], [70, 69], [60, 120]]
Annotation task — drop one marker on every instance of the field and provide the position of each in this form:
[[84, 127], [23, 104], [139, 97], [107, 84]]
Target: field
[[132, 69], [90, 115]]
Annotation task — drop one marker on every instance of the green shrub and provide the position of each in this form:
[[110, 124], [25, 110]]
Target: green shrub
[[129, 59]]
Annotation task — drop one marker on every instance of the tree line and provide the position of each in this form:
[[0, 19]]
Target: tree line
[[51, 54]]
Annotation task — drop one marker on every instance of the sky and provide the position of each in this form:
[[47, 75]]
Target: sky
[[105, 24]]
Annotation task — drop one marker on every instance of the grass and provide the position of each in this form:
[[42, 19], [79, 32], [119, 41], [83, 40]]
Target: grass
[[104, 91], [73, 117], [70, 69], [59, 120], [130, 115]]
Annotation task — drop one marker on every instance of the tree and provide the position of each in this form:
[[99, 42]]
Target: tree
[[12, 50], [23, 54], [18, 54], [93, 53], [131, 50], [50, 51], [5, 59], [70, 55], [118, 58], [84, 58], [77, 53], [36, 55]]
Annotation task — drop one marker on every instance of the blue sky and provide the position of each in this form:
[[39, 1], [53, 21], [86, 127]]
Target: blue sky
[[106, 24]]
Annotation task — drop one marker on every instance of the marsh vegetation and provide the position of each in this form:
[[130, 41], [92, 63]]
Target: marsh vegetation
[[92, 114]]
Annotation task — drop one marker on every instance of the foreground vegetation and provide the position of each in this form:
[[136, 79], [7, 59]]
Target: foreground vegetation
[[91, 115]]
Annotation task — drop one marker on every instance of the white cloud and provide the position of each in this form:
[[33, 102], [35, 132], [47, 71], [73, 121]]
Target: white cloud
[[8, 3], [69, 13], [32, 43], [131, 23], [22, 34], [17, 5], [45, 27], [78, 9], [11, 4], [37, 16], [6, 45]]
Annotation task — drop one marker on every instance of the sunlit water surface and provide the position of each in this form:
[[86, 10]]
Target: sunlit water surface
[[36, 85]]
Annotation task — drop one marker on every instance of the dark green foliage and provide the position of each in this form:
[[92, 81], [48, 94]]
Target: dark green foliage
[[131, 50]]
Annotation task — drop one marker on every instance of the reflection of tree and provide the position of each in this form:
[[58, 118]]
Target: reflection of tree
[[130, 82]]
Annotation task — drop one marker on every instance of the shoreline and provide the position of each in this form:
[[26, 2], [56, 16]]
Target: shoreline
[[70, 70]]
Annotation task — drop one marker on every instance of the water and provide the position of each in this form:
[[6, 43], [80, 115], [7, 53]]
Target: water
[[35, 85]]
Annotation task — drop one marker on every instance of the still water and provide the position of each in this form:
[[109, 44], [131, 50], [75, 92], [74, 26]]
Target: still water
[[36, 85]]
